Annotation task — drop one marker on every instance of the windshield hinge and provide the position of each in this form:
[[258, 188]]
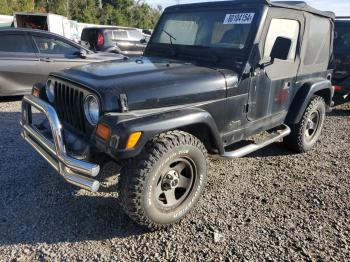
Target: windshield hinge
[[246, 108], [123, 102]]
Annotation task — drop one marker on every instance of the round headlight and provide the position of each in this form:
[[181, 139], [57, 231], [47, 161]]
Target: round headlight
[[92, 109], [50, 91]]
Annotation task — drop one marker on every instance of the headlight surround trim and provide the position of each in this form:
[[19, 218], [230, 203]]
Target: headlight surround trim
[[50, 91], [92, 109]]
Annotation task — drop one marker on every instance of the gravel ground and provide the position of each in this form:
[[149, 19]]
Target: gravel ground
[[272, 205]]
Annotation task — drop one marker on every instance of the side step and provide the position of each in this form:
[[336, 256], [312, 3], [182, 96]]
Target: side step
[[246, 150]]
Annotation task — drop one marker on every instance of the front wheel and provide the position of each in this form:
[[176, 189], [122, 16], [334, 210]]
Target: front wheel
[[165, 182], [306, 133]]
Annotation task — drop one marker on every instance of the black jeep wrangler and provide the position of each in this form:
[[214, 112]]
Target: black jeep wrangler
[[341, 76], [213, 74]]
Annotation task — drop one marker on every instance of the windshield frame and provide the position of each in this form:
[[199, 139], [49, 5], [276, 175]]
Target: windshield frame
[[153, 49]]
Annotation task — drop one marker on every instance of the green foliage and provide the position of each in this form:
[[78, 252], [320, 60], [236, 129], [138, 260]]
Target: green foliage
[[7, 7], [113, 12]]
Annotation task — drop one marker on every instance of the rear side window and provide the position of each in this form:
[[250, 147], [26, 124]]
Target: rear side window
[[282, 28], [135, 35], [15, 44], [317, 50], [117, 34]]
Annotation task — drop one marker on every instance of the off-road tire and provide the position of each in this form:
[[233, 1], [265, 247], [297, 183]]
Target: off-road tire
[[297, 140], [139, 176]]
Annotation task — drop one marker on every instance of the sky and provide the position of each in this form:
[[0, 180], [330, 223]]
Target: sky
[[340, 7]]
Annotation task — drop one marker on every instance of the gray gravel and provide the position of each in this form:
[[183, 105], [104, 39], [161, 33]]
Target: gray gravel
[[272, 205]]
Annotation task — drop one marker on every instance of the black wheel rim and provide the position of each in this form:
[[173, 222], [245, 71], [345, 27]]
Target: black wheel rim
[[312, 125], [175, 183]]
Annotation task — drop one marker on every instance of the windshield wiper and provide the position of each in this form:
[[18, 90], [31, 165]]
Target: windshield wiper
[[171, 38]]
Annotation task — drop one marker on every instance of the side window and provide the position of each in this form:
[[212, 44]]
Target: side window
[[282, 28], [54, 46], [15, 43], [117, 34], [317, 51]]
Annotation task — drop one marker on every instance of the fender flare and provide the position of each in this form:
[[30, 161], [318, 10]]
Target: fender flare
[[303, 96], [159, 123]]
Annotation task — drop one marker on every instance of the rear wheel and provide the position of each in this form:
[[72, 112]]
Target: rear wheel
[[164, 183], [306, 133]]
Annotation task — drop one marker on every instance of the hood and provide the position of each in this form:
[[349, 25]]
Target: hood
[[148, 83], [103, 56]]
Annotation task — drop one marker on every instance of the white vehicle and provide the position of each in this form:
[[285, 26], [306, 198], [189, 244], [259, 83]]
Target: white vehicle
[[46, 21], [6, 20]]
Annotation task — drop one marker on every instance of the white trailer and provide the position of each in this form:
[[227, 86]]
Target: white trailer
[[6, 20], [46, 21]]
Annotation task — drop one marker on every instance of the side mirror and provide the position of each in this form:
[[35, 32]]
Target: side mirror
[[281, 48], [143, 41], [83, 53]]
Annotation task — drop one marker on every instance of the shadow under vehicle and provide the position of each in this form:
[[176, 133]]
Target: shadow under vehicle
[[341, 76], [209, 79], [28, 56]]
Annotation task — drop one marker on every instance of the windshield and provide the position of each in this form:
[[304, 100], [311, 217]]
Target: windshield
[[215, 29]]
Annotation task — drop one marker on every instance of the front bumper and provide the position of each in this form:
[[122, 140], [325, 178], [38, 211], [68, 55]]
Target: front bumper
[[73, 170]]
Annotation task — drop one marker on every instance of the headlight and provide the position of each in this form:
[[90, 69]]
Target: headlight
[[92, 109], [50, 91]]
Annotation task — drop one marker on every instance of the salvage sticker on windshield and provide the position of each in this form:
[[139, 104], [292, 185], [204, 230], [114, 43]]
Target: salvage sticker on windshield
[[242, 18]]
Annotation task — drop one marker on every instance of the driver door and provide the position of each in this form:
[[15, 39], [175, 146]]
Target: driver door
[[271, 85], [56, 54]]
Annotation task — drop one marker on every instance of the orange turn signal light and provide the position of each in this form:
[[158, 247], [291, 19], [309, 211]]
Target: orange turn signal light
[[103, 131], [133, 139], [36, 91]]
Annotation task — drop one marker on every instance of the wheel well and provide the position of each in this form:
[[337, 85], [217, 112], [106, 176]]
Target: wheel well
[[203, 133], [326, 95]]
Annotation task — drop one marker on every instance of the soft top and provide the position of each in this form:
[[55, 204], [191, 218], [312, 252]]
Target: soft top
[[300, 5], [296, 5]]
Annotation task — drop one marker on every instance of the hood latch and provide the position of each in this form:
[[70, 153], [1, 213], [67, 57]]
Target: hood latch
[[123, 102]]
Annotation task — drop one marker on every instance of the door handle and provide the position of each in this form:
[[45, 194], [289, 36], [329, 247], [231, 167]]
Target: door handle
[[47, 59]]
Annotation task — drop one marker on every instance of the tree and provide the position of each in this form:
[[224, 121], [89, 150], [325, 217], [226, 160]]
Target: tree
[[109, 12]]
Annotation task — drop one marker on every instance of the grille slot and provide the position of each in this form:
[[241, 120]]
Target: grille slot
[[69, 105]]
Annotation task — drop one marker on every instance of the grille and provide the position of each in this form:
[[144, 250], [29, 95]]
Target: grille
[[69, 105]]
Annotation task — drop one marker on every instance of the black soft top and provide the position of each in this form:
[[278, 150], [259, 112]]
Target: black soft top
[[296, 5]]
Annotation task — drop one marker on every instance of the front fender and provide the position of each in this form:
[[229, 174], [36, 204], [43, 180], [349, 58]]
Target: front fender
[[151, 125], [302, 98]]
